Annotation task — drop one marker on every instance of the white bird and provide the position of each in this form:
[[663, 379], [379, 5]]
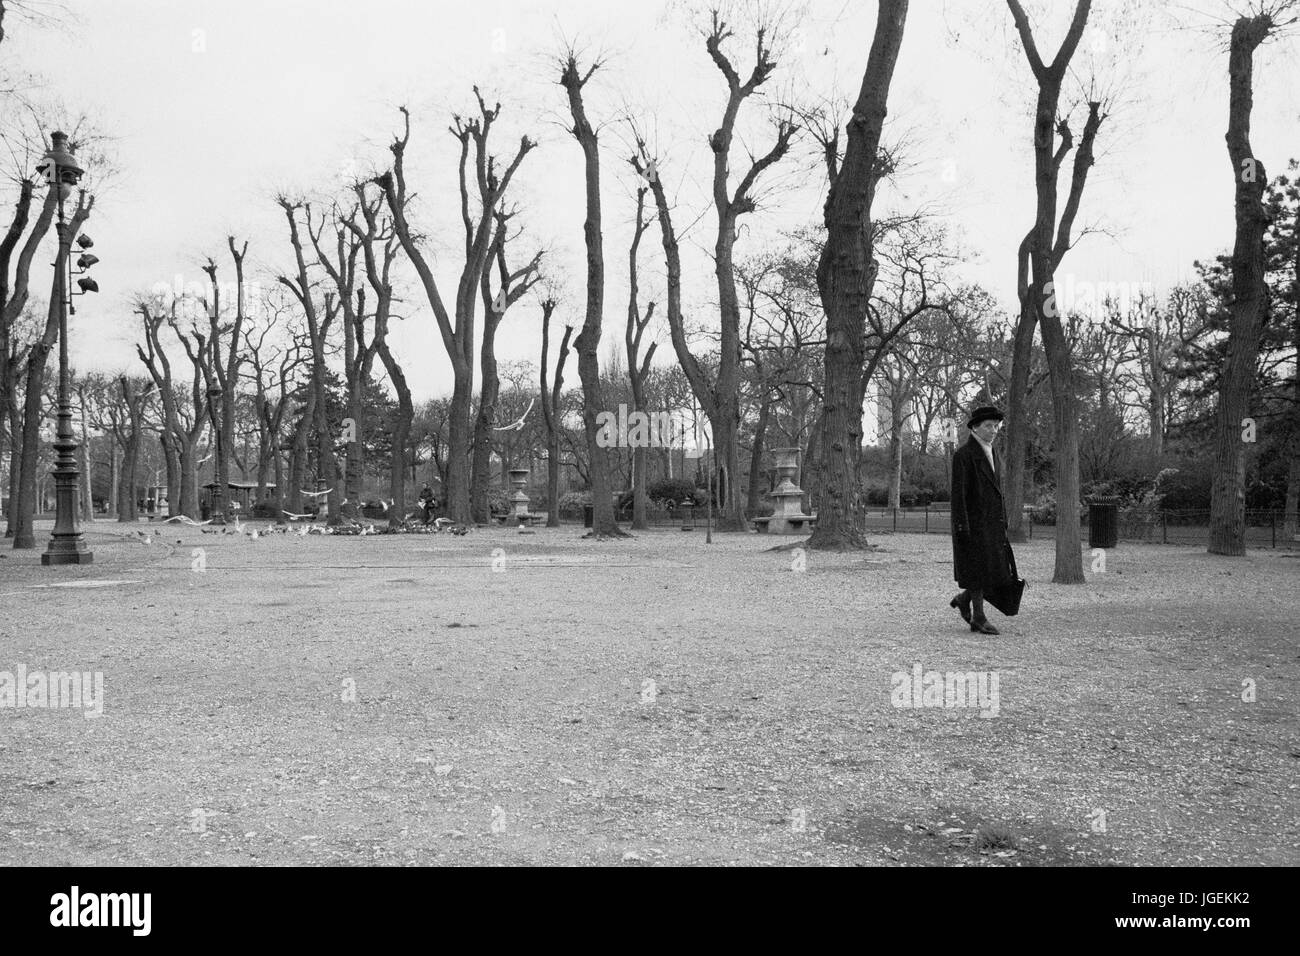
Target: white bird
[[293, 517], [517, 425], [186, 519], [317, 494]]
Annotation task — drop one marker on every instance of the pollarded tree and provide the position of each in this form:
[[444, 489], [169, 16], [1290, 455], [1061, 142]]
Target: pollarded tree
[[587, 343], [511, 285], [358, 354], [379, 245], [222, 372], [457, 326], [1249, 304], [182, 421], [315, 421]]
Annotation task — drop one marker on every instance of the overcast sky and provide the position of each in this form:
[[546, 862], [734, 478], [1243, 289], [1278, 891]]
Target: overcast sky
[[213, 107]]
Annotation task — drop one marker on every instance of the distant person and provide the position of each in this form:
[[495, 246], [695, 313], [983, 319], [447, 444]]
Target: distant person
[[981, 554], [426, 505]]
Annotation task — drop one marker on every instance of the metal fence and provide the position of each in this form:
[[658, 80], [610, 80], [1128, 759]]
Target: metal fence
[[1264, 529]]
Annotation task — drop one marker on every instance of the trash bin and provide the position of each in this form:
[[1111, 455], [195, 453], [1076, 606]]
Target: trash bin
[[588, 515], [1103, 523]]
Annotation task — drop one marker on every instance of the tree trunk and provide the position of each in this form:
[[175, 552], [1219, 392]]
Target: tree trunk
[[126, 503], [1014, 482], [356, 462], [15, 465], [756, 476], [172, 457], [326, 468], [726, 426], [25, 500], [188, 483], [604, 523], [457, 482], [489, 391], [845, 275], [401, 435], [1291, 518], [114, 478], [87, 497], [1249, 298]]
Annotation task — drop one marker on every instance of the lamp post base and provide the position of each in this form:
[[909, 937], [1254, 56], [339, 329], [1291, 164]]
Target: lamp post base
[[67, 552]]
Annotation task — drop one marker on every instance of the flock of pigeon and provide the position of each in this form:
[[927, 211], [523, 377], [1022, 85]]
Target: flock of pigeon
[[410, 526]]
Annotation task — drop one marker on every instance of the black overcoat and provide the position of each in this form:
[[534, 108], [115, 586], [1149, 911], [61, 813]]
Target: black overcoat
[[981, 553]]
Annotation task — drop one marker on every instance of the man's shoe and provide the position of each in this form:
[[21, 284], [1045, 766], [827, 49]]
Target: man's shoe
[[962, 604], [983, 627]]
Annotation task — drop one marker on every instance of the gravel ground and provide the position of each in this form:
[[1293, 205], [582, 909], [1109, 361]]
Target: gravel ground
[[397, 700]]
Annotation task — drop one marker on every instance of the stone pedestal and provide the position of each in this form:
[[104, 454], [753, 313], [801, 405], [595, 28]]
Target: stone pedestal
[[519, 500], [788, 516]]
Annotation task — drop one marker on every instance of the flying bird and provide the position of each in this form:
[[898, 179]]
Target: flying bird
[[317, 494], [517, 425]]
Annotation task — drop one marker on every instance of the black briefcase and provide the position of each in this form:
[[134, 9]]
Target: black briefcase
[[1006, 597]]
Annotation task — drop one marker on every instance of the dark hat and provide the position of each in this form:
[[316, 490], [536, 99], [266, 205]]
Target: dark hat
[[983, 414]]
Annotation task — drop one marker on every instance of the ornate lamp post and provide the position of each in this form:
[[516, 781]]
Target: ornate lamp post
[[68, 545]]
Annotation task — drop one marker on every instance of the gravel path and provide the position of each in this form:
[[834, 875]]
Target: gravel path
[[396, 700]]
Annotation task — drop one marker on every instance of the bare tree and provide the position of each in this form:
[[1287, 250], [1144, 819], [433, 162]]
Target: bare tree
[[722, 402], [845, 276], [1249, 304], [319, 322], [1039, 256], [183, 425], [588, 340], [511, 287], [638, 364], [135, 392], [379, 246], [14, 293], [358, 354], [457, 328], [222, 374]]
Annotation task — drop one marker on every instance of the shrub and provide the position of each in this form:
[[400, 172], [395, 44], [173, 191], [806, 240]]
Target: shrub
[[674, 490], [571, 503], [499, 501], [1044, 510]]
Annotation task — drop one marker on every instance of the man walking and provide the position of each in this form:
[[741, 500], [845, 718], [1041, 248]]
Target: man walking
[[981, 553]]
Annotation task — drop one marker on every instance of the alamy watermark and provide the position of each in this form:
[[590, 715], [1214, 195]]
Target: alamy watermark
[[970, 689], [654, 429], [82, 690]]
